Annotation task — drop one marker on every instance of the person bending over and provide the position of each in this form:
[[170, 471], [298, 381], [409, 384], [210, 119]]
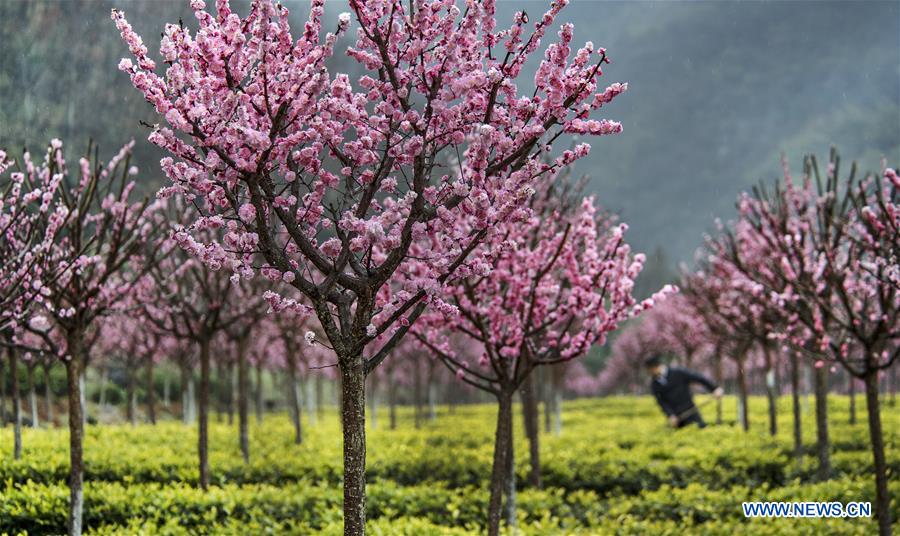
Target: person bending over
[[672, 388]]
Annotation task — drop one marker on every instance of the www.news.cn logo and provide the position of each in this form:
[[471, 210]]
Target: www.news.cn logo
[[807, 509]]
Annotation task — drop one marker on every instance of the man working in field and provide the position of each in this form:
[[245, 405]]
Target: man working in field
[[672, 388]]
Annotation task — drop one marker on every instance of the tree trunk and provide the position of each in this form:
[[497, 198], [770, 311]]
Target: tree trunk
[[294, 401], [851, 387], [151, 393], [243, 401], [3, 416], [719, 381], [353, 418], [530, 417], [432, 400], [502, 442], [743, 413], [882, 499], [557, 377], [203, 422], [230, 389], [74, 377], [82, 389], [259, 393], [320, 396], [417, 395], [166, 390], [191, 394], [32, 397], [771, 392], [309, 397], [48, 394], [511, 483], [104, 375], [795, 400], [546, 394], [392, 402], [183, 392], [218, 401], [131, 396], [17, 402], [823, 445]]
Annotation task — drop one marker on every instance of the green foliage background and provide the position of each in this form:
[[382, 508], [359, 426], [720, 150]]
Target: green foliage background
[[615, 469]]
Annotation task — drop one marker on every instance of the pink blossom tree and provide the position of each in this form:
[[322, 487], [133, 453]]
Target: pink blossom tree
[[190, 301], [95, 262], [559, 283], [332, 185], [832, 272]]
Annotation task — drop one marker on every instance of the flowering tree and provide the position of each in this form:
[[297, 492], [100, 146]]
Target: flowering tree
[[560, 282], [251, 311], [31, 218], [437, 129], [94, 260], [188, 300], [30, 221], [830, 266]]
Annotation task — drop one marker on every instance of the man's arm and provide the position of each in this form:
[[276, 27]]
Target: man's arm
[[657, 392], [693, 377]]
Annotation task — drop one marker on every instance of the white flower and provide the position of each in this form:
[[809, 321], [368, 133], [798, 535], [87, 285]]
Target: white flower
[[310, 338]]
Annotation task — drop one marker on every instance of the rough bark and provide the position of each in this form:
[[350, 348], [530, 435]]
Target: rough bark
[[502, 441], [823, 444], [851, 388], [74, 377], [353, 417], [876, 437], [530, 418], [203, 422]]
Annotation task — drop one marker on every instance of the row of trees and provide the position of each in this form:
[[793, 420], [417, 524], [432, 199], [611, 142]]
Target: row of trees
[[420, 210], [806, 276]]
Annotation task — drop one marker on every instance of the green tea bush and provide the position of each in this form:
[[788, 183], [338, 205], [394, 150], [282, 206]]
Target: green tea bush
[[614, 469]]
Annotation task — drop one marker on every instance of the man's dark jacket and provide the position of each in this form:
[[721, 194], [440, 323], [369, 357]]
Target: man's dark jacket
[[673, 390]]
